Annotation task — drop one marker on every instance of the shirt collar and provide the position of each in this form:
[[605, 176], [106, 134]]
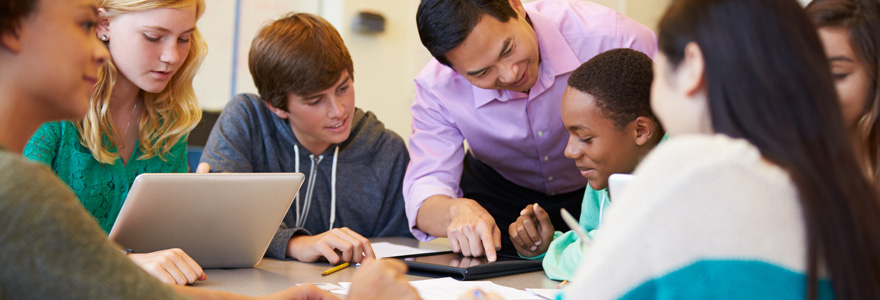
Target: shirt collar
[[557, 58]]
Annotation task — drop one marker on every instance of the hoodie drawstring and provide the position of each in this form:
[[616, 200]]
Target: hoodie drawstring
[[296, 198], [333, 188], [302, 214]]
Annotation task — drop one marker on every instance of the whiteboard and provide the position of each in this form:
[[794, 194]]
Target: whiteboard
[[228, 27]]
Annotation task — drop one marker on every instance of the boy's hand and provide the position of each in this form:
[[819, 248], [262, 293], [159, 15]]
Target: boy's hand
[[532, 232], [337, 245]]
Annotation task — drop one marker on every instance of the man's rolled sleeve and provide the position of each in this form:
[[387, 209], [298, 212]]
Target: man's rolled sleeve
[[416, 197], [436, 157]]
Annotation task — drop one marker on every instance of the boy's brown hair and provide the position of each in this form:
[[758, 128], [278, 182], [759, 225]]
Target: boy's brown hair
[[300, 53]]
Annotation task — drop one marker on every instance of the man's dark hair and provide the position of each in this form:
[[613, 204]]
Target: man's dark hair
[[444, 24], [620, 81]]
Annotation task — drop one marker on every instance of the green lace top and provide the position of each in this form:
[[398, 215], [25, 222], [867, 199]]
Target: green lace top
[[101, 188]]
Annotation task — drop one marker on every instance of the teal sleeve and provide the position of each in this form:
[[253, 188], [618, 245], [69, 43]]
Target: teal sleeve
[[43, 145], [565, 252], [563, 257]]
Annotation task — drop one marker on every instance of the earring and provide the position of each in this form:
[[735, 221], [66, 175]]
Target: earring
[[104, 37]]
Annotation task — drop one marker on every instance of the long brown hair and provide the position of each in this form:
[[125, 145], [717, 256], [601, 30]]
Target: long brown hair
[[861, 18], [768, 81]]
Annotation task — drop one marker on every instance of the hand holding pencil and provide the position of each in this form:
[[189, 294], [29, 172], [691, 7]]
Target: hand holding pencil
[[337, 245]]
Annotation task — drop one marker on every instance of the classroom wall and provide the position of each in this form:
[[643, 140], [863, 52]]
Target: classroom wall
[[228, 27], [384, 63], [647, 12]]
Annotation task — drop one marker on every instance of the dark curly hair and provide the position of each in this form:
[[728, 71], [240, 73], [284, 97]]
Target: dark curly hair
[[620, 81]]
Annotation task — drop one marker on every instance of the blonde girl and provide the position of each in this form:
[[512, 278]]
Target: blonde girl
[[140, 113]]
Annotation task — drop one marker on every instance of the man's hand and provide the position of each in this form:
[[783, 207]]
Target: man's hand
[[337, 245], [532, 232], [472, 230], [170, 266]]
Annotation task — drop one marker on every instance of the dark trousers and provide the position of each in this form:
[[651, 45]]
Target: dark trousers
[[505, 199]]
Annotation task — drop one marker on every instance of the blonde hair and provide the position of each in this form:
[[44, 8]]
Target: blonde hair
[[168, 116]]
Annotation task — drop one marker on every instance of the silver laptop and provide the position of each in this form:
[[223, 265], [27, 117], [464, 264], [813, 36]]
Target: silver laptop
[[221, 220], [617, 184]]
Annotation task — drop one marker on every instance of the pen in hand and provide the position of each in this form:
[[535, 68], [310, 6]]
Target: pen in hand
[[573, 224]]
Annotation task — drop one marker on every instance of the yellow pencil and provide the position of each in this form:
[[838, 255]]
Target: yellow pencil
[[334, 269]]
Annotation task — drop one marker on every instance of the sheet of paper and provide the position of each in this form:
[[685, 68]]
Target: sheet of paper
[[385, 249], [345, 285], [326, 286], [546, 293], [450, 289]]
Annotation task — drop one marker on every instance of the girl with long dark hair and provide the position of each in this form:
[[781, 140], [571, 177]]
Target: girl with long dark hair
[[757, 194]]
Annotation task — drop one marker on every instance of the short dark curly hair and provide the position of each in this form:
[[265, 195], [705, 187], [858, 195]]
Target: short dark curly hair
[[620, 81]]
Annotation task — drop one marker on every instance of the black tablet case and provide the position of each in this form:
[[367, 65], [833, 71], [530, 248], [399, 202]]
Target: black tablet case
[[496, 269]]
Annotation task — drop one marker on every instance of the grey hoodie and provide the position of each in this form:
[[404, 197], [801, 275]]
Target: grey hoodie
[[248, 137]]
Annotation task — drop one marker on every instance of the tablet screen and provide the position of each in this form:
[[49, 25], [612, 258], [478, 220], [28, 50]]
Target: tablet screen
[[467, 268], [455, 260]]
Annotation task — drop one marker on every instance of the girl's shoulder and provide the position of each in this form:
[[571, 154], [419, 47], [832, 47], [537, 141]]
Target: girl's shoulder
[[715, 172]]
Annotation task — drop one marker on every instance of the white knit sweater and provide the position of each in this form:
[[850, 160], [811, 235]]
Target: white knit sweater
[[707, 217]]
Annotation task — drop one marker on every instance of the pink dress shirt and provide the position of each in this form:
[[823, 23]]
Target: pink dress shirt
[[520, 136]]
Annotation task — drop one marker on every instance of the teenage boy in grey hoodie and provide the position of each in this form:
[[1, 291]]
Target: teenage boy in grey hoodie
[[304, 120]]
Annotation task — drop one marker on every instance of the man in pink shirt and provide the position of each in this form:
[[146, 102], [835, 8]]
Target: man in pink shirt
[[497, 79]]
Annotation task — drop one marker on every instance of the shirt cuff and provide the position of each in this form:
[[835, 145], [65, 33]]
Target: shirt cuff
[[417, 196]]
